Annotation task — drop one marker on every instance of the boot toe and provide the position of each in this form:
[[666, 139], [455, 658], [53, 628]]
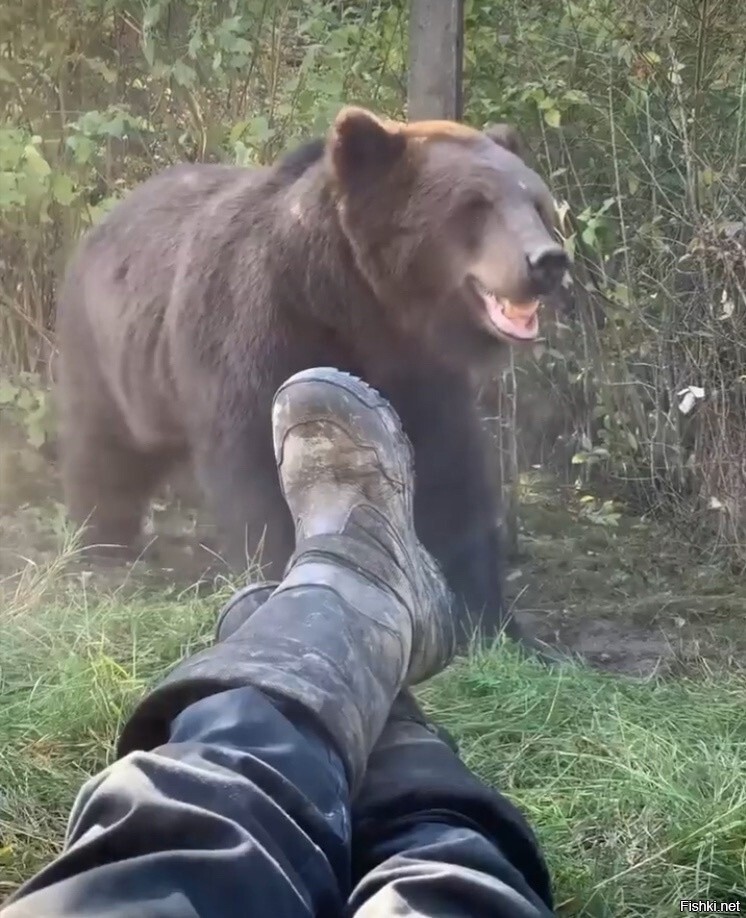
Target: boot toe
[[328, 395]]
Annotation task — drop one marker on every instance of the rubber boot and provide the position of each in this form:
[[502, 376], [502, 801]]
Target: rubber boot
[[246, 601], [363, 609], [241, 606]]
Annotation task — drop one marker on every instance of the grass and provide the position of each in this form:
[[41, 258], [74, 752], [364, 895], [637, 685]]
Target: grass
[[637, 789]]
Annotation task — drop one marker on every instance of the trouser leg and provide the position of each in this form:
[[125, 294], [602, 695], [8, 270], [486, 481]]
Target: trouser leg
[[245, 810], [429, 838]]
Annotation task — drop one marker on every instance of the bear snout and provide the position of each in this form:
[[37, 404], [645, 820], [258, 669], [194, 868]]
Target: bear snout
[[546, 268]]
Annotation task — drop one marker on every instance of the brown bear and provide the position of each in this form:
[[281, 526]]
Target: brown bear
[[406, 254]]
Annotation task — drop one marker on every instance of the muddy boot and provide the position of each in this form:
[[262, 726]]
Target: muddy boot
[[241, 606], [362, 611]]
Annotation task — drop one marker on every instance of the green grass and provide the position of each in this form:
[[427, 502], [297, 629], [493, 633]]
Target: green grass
[[637, 789]]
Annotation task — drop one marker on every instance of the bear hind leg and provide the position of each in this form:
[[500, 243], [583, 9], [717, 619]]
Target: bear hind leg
[[108, 487]]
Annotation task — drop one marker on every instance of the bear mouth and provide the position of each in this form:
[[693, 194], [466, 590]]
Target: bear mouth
[[506, 318]]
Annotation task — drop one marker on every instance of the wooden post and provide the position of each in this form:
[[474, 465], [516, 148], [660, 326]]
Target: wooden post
[[436, 52]]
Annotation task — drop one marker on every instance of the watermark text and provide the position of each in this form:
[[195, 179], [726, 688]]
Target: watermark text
[[710, 907]]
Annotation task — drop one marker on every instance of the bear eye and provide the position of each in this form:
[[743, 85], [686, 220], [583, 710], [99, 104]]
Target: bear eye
[[471, 213], [475, 205]]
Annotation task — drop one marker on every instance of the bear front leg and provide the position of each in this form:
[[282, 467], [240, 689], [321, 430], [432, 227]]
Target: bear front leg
[[238, 474], [456, 510], [474, 571], [457, 529]]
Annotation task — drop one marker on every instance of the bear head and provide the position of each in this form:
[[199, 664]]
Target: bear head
[[449, 225]]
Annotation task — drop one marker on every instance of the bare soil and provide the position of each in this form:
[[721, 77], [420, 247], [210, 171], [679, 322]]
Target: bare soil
[[631, 598]]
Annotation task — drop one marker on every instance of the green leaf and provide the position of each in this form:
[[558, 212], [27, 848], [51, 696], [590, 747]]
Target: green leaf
[[102, 69], [576, 96], [552, 117], [242, 154], [184, 74], [83, 148], [35, 434], [148, 50], [63, 190], [708, 176], [115, 128], [25, 400], [98, 211], [589, 235], [10, 194], [236, 131], [258, 130], [12, 142], [35, 163], [153, 14], [8, 393], [195, 44]]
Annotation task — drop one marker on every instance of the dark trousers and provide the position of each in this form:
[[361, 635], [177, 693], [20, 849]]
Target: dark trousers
[[246, 812]]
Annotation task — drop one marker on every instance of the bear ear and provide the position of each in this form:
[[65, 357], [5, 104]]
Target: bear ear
[[505, 135], [362, 146]]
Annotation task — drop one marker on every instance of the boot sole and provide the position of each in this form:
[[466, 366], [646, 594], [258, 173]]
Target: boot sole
[[363, 412]]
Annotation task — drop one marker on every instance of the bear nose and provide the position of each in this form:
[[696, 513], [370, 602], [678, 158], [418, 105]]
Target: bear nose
[[547, 267]]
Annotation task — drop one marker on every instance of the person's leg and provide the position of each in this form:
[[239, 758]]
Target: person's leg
[[237, 766], [244, 810], [429, 838]]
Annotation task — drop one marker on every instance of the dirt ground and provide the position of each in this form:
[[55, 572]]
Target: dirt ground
[[633, 599], [630, 597]]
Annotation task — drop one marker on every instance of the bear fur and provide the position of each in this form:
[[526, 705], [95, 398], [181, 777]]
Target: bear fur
[[374, 251]]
